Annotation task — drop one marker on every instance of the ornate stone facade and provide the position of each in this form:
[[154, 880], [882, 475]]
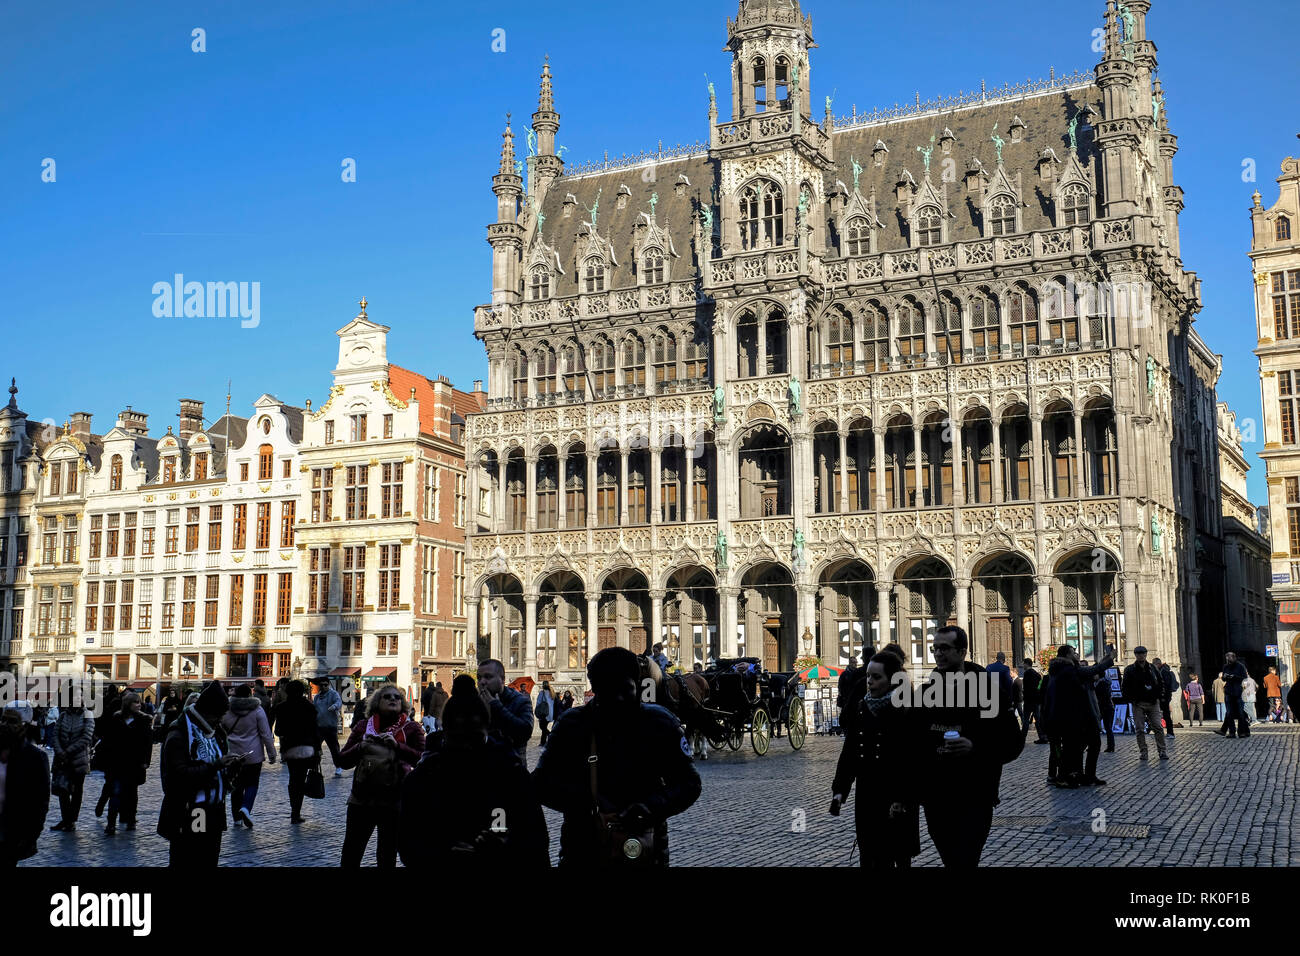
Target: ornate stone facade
[[737, 404]]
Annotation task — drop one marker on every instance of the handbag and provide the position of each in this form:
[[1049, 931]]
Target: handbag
[[59, 785], [314, 785], [621, 845]]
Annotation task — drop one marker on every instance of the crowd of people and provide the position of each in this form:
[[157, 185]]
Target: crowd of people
[[906, 753]]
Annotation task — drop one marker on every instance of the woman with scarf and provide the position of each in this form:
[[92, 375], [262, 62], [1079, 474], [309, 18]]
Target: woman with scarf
[[383, 749], [73, 733], [880, 754], [193, 813], [248, 735], [295, 723], [125, 750]]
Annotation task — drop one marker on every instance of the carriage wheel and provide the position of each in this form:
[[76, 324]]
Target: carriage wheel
[[796, 723], [735, 736], [760, 731], [717, 737]]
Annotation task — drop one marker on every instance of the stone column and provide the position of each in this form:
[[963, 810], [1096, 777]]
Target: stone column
[[762, 345], [1132, 631], [471, 624], [1080, 486], [727, 620], [501, 493], [656, 616], [530, 635], [878, 435], [656, 457], [592, 625], [562, 466], [883, 589], [1036, 462], [958, 478], [591, 488], [844, 472], [530, 466], [806, 619], [688, 485], [622, 486], [962, 588], [919, 458], [471, 489], [997, 463], [1043, 635]]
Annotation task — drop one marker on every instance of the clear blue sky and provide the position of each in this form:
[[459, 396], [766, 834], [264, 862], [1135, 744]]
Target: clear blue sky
[[225, 165]]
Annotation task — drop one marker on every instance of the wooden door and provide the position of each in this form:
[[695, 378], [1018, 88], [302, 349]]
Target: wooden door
[[772, 644], [636, 639], [998, 630], [605, 637]]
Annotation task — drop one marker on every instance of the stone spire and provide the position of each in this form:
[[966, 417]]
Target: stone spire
[[505, 235], [546, 123], [13, 394], [508, 150]]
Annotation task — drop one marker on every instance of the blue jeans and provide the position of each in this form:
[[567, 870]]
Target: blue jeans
[[1221, 709], [244, 791]]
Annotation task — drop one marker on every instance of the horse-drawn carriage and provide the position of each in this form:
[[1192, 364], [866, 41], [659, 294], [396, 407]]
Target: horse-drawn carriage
[[743, 698]]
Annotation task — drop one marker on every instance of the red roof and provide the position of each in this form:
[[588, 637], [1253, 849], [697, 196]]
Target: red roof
[[401, 381]]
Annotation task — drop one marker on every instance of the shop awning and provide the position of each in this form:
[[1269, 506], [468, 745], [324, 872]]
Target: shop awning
[[344, 672], [140, 684], [1288, 612], [380, 673]]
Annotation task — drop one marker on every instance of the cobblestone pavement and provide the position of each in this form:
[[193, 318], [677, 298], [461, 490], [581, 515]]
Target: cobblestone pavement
[[1216, 803]]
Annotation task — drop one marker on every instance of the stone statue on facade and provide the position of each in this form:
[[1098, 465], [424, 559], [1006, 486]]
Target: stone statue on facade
[[800, 562], [720, 552], [719, 404], [796, 397], [1156, 535], [1151, 375], [925, 154], [998, 142], [857, 171], [1073, 132], [532, 140]]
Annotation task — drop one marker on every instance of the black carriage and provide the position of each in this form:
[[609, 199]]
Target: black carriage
[[745, 699]]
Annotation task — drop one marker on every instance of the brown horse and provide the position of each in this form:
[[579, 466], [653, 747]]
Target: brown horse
[[683, 694]]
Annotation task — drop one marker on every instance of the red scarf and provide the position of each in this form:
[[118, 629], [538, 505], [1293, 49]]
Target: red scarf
[[396, 730]]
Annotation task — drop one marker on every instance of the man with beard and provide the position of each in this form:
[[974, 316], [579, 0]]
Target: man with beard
[[617, 769], [24, 789]]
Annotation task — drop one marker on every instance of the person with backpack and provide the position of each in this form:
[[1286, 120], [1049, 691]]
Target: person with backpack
[[1195, 700], [248, 736], [1143, 686], [383, 749], [545, 710], [72, 737], [295, 723]]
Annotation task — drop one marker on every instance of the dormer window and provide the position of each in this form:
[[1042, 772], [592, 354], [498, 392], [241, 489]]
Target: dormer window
[[200, 466], [169, 470], [762, 215], [1074, 205], [539, 284], [56, 474], [265, 458], [1283, 232], [652, 266], [929, 226], [1002, 216], [594, 275], [857, 237]]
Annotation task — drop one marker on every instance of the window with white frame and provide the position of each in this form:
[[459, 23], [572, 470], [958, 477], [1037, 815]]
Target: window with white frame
[[429, 579]]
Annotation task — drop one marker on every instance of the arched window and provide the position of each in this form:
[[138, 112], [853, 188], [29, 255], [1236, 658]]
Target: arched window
[[1074, 205], [544, 371], [775, 334], [519, 376], [1101, 444], [762, 215], [265, 456], [839, 341], [747, 345], [985, 322], [857, 237], [1024, 320], [929, 226], [634, 363], [1283, 229], [911, 334], [697, 354], [1062, 314], [977, 457], [665, 358], [782, 81], [594, 274], [539, 283], [602, 367], [115, 474], [652, 266], [875, 338], [573, 369], [948, 333], [760, 85], [1002, 216]]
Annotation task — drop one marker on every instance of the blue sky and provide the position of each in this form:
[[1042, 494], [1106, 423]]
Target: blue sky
[[225, 165]]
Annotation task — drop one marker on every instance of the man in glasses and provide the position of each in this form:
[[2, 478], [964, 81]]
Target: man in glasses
[[963, 748]]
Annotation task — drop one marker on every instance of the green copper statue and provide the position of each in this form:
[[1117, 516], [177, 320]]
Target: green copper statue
[[925, 154], [595, 206], [1157, 103], [720, 552], [1073, 132], [706, 214], [803, 205], [998, 142], [857, 171], [713, 96], [1151, 375], [719, 404], [1130, 22], [794, 79], [796, 397], [1156, 535], [799, 543], [532, 140], [654, 201]]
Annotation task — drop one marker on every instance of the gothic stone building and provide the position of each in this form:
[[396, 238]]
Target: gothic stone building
[[820, 384]]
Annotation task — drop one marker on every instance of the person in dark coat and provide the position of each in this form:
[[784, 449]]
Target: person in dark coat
[[73, 734], [125, 752], [1169, 683], [959, 775], [1074, 716], [24, 789], [193, 813], [1142, 686], [470, 800], [880, 754], [1105, 709], [300, 740], [1032, 681], [643, 771], [512, 712], [1234, 672]]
